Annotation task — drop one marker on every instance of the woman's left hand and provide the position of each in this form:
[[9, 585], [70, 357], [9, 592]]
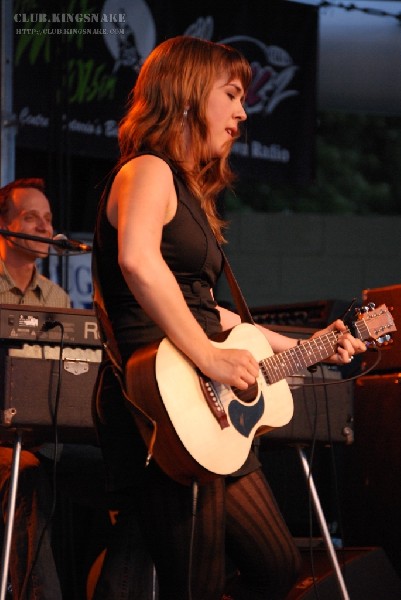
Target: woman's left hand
[[347, 347]]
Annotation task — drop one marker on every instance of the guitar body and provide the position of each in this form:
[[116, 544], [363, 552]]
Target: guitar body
[[190, 441]]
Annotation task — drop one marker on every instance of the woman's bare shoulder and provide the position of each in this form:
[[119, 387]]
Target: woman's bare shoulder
[[145, 165]]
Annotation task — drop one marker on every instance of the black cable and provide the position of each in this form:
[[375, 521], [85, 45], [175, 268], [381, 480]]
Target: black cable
[[195, 492], [347, 379], [46, 327]]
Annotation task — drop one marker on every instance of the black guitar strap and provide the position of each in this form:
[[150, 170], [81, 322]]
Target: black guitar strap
[[241, 305]]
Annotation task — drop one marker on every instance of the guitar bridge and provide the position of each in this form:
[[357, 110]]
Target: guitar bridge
[[213, 401]]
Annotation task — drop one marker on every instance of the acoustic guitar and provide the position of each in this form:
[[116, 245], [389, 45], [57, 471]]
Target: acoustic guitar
[[197, 429]]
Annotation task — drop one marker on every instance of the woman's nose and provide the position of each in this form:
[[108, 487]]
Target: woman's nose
[[242, 116]]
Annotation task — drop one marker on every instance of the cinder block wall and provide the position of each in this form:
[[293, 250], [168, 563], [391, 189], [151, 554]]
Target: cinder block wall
[[284, 259]]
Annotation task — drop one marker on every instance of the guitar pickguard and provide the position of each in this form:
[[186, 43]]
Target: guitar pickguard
[[222, 401], [244, 417]]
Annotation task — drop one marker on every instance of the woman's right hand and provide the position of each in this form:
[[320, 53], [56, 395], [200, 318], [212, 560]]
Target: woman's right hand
[[231, 366]]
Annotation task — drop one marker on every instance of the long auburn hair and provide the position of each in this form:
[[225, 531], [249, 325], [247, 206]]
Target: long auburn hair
[[178, 75]]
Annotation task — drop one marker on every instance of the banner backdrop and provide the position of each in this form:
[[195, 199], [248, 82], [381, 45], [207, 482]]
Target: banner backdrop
[[76, 62]]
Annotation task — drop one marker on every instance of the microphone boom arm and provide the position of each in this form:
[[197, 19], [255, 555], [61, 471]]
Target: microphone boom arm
[[60, 242]]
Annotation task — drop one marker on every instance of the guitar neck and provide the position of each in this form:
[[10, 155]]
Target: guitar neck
[[287, 363]]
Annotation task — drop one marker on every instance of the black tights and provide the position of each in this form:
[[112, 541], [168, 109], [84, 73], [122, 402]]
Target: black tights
[[236, 518]]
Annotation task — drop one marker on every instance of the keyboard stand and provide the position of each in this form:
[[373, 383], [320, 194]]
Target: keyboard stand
[[9, 524], [322, 524]]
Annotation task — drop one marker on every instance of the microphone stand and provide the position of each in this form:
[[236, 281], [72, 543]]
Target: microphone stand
[[64, 244]]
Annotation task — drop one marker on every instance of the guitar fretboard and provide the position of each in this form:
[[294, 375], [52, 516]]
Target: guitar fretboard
[[371, 326], [287, 363]]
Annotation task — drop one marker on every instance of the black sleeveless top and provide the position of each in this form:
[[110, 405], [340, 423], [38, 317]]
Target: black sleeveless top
[[189, 248]]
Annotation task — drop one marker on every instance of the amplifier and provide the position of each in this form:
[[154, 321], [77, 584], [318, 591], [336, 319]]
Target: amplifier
[[372, 490], [391, 353], [28, 394], [317, 314], [322, 413]]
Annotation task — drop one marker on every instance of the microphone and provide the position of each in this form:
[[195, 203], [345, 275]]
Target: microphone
[[61, 242]]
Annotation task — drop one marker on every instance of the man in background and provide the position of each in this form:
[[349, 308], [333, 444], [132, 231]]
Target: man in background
[[24, 208]]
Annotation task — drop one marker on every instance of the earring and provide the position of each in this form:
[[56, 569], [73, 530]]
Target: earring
[[184, 117]]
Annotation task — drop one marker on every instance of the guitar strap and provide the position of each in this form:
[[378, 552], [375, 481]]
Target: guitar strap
[[241, 305]]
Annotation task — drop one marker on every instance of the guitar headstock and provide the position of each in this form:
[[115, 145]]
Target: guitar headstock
[[374, 324]]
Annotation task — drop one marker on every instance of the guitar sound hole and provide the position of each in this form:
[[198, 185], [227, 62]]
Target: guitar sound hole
[[248, 395]]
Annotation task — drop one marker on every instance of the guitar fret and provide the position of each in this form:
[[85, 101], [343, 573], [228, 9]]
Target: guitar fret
[[320, 349], [287, 363], [296, 357], [362, 329], [268, 371]]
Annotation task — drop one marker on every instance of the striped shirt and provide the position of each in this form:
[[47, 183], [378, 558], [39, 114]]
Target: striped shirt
[[40, 292]]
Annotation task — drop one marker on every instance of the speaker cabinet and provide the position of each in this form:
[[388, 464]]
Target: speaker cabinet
[[372, 493], [29, 393], [390, 354], [322, 413], [367, 574]]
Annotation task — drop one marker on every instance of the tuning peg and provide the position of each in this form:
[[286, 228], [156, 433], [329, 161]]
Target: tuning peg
[[384, 340], [368, 307]]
